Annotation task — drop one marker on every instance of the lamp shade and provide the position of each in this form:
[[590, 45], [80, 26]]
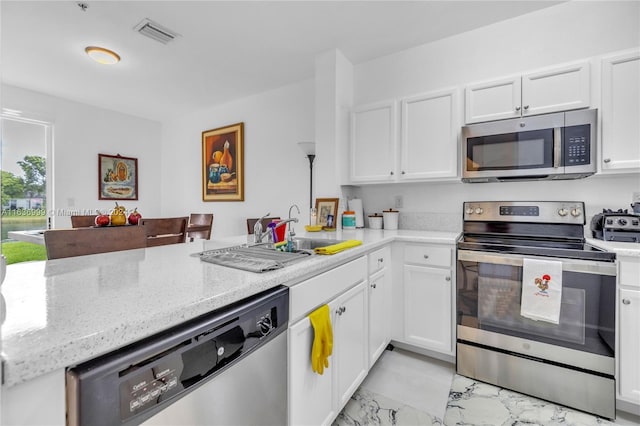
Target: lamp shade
[[309, 148]]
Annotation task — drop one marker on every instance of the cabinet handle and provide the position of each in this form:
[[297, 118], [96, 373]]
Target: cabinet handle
[[447, 278], [391, 173], [426, 256], [518, 108], [373, 285], [381, 260], [526, 107], [403, 172], [626, 301], [341, 310], [607, 160]]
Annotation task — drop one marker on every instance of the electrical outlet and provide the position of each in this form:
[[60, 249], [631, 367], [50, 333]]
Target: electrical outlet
[[636, 197], [399, 201]]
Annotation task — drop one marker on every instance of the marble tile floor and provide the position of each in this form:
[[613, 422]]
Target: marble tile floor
[[407, 389]]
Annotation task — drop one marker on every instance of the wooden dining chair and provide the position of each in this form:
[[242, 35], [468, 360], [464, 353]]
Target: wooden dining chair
[[71, 242], [83, 221], [266, 221], [199, 226], [165, 230]]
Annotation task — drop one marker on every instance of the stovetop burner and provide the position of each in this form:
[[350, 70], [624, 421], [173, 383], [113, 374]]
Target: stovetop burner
[[541, 228]]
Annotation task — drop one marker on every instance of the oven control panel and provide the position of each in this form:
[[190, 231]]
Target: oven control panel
[[525, 211]]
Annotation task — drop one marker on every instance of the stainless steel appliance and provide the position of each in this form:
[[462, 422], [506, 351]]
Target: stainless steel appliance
[[571, 362], [224, 368], [616, 225], [550, 146]]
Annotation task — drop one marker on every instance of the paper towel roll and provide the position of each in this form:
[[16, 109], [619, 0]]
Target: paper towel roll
[[356, 205]]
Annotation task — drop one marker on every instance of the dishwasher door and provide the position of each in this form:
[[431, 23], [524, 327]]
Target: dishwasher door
[[251, 392]]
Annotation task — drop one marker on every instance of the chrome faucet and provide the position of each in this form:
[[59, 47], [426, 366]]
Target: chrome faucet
[[257, 230], [292, 232]]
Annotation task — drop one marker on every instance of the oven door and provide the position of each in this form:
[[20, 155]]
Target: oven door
[[489, 292]]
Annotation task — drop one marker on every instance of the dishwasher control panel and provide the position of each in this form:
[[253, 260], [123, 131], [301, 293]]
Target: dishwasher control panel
[[130, 385]]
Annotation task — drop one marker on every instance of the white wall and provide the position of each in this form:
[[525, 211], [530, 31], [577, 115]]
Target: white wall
[[563, 33], [276, 170], [81, 132]]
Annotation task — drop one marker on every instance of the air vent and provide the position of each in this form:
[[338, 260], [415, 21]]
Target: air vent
[[155, 31]]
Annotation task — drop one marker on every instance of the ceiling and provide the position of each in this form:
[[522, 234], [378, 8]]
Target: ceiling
[[226, 50]]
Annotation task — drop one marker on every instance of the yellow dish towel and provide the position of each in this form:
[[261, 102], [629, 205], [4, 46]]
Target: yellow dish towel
[[322, 338], [336, 248]]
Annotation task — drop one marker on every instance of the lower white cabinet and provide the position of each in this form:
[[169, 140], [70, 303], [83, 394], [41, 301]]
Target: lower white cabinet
[[317, 399], [424, 297], [629, 331], [379, 302]]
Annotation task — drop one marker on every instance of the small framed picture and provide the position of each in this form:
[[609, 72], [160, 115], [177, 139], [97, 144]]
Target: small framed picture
[[326, 209], [117, 177]]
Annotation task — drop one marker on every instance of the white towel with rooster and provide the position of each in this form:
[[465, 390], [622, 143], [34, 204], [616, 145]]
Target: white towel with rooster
[[541, 290]]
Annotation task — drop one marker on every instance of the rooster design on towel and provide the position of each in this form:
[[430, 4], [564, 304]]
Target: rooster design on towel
[[543, 284]]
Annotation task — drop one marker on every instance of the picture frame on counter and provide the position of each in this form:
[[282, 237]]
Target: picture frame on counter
[[117, 177], [326, 207], [223, 163]]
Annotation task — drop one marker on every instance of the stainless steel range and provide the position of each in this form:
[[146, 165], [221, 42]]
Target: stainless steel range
[[536, 304]]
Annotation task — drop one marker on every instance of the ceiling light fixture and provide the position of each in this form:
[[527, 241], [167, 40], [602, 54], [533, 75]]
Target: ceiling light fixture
[[102, 55]]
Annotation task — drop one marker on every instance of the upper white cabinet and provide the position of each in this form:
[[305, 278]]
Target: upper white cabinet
[[548, 90], [373, 143], [620, 112], [429, 143], [429, 139]]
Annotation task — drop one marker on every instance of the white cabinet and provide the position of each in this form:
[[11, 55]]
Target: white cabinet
[[548, 90], [373, 143], [379, 302], [316, 399], [39, 401], [620, 112], [426, 298], [429, 139], [629, 330], [350, 354], [429, 142]]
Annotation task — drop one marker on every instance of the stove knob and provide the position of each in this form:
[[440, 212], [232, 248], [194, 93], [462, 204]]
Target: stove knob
[[479, 210], [469, 210], [576, 212], [622, 222], [265, 325], [563, 212]]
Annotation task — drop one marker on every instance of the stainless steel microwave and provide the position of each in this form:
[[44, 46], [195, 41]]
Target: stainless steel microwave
[[551, 146]]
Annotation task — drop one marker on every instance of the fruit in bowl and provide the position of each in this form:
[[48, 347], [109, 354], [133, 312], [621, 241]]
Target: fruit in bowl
[[134, 217], [118, 217], [102, 219]]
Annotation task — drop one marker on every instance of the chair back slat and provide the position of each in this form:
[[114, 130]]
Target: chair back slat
[[166, 230], [199, 226], [266, 221], [61, 243], [83, 221]]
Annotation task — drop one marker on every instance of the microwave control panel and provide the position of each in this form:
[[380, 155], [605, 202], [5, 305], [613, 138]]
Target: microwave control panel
[[577, 145]]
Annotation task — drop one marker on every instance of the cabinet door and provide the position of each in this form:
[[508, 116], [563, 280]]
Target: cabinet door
[[310, 394], [427, 308], [429, 144], [620, 112], [379, 314], [373, 145], [349, 342], [556, 89], [493, 100], [629, 350]]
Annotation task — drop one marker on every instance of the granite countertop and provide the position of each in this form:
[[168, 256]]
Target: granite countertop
[[621, 249], [65, 311]]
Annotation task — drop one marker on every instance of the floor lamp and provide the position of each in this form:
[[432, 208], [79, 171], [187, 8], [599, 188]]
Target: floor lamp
[[309, 149]]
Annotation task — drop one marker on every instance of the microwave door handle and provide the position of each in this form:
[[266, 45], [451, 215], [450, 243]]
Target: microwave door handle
[[557, 146], [570, 265]]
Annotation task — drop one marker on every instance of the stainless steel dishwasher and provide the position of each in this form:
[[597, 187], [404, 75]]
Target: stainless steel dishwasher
[[228, 367]]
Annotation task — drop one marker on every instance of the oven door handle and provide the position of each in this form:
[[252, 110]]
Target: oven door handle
[[570, 265]]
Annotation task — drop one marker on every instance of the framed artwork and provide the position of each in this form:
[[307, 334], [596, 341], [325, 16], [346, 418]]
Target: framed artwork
[[326, 207], [117, 177], [223, 163]]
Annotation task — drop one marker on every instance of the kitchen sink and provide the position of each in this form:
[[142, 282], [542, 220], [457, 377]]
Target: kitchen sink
[[304, 243]]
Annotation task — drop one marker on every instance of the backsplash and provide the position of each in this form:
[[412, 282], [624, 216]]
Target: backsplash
[[426, 221]]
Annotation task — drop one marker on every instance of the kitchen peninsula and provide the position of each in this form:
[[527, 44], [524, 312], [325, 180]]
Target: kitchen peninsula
[[63, 312]]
